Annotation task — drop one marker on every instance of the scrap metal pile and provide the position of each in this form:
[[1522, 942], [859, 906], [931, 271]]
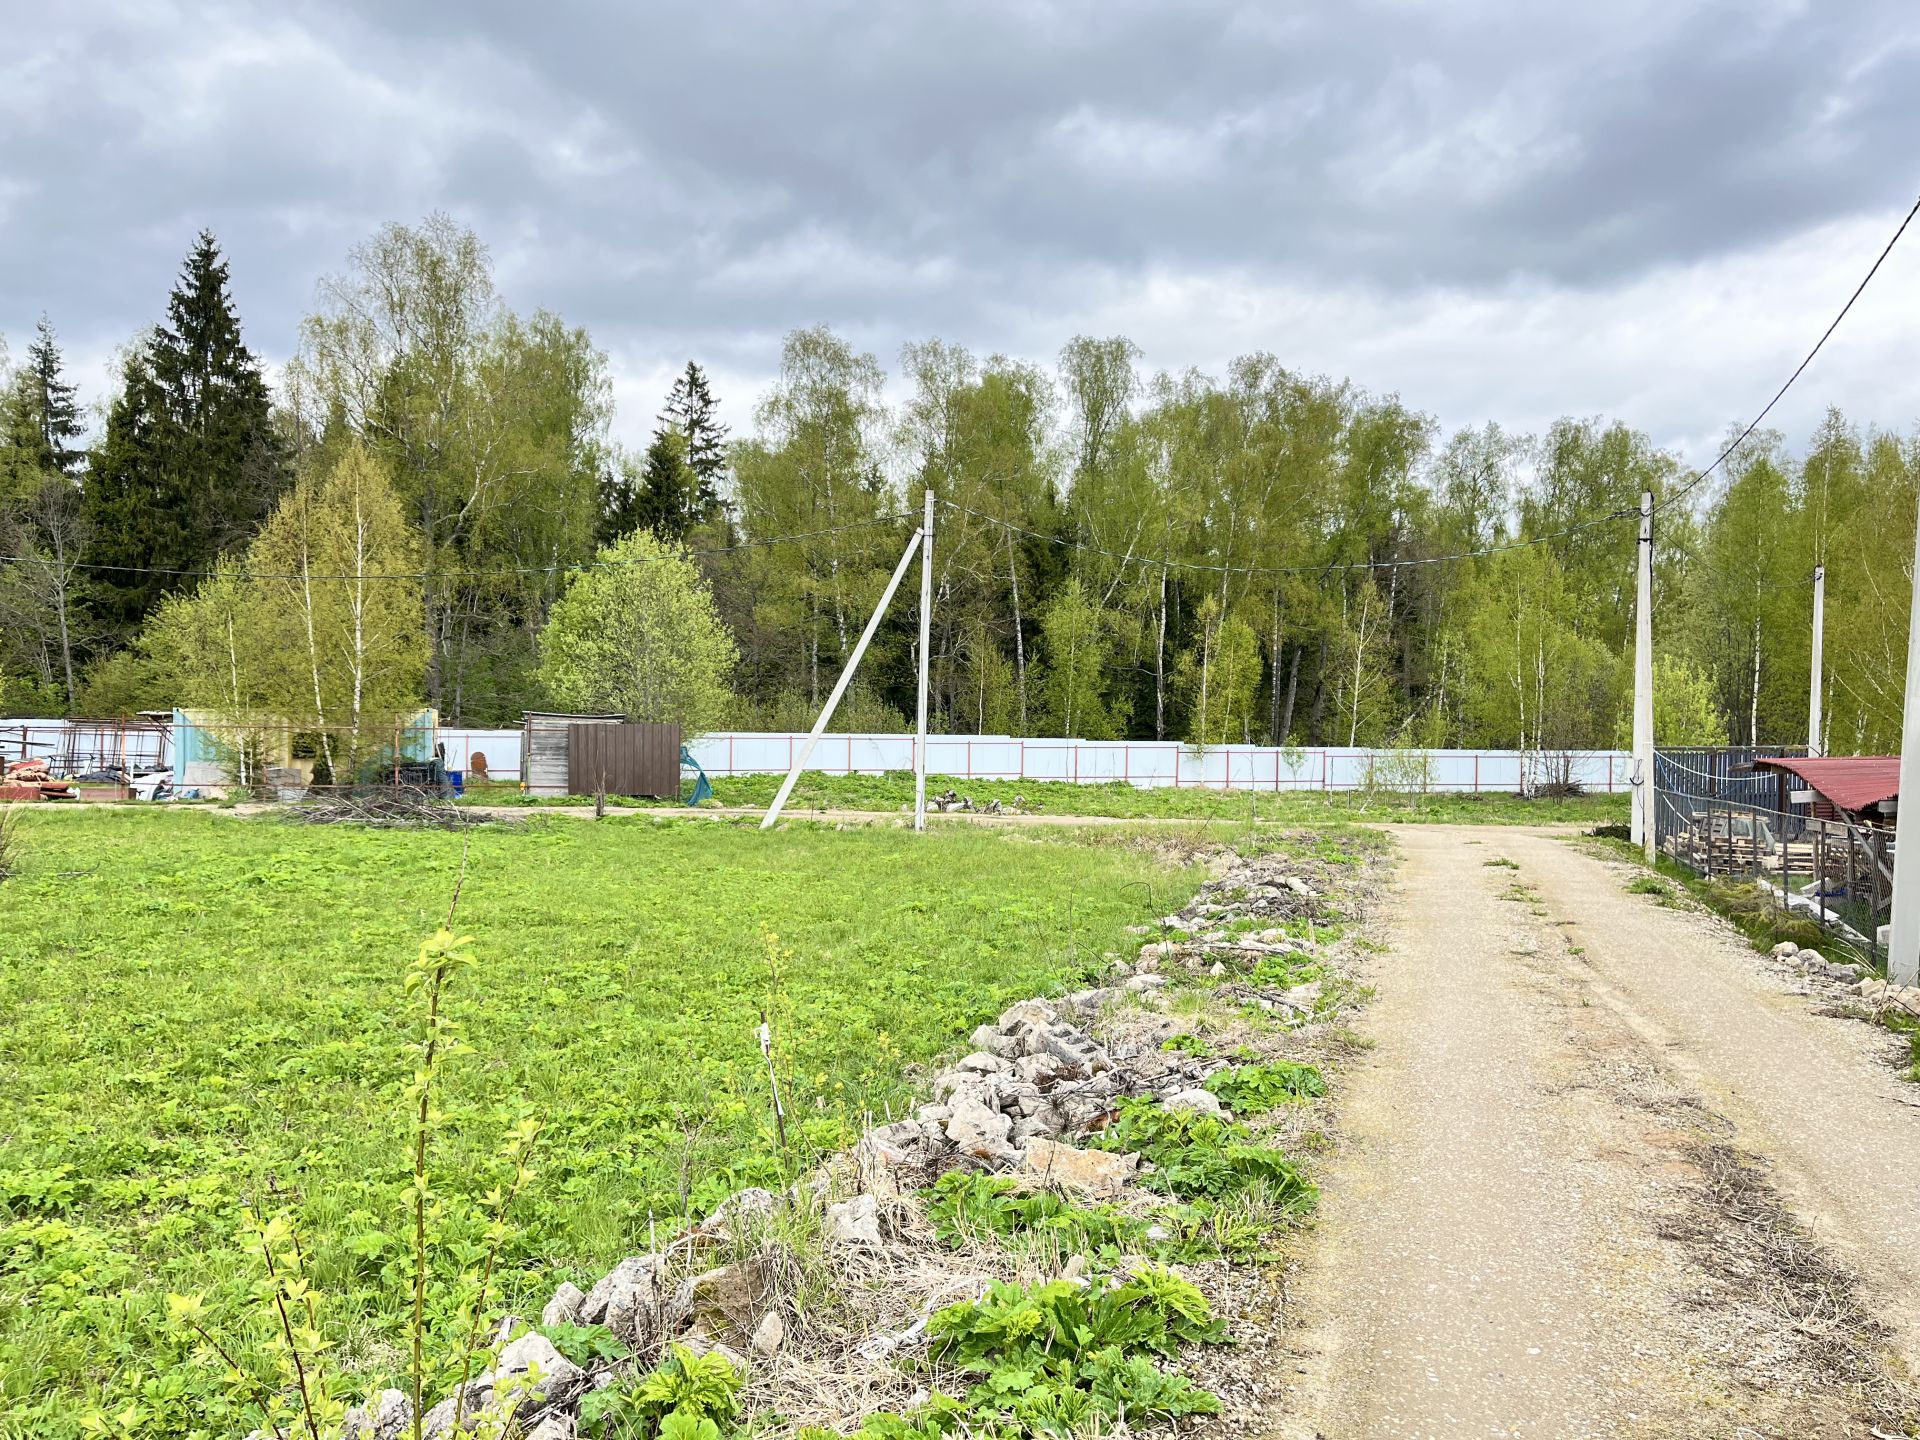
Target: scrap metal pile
[[30, 779]]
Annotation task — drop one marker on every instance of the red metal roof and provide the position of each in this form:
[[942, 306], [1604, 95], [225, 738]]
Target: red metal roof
[[1853, 782]]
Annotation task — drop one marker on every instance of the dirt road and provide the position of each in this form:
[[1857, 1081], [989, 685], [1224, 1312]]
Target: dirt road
[[1604, 1176]]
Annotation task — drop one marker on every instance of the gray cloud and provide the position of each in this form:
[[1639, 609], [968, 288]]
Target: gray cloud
[[1344, 187]]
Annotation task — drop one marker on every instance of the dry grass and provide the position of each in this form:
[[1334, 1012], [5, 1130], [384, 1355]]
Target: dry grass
[[1794, 1316]]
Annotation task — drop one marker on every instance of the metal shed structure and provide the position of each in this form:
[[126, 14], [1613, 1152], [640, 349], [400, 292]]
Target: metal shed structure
[[1863, 788], [1816, 833]]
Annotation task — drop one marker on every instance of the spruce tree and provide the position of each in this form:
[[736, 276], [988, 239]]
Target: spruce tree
[[669, 499], [40, 517], [42, 418], [690, 411], [190, 465]]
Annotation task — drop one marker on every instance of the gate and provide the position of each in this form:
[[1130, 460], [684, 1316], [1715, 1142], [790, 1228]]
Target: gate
[[624, 759]]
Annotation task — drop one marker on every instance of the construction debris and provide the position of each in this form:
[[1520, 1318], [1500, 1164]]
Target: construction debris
[[30, 779]]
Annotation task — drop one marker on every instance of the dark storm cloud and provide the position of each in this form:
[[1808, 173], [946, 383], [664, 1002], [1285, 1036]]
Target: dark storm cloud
[[701, 178]]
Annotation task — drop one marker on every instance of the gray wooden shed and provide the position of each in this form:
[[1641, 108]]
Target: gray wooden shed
[[543, 749]]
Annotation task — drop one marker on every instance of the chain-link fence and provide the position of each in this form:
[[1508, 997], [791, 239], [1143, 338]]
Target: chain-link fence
[[1724, 818]]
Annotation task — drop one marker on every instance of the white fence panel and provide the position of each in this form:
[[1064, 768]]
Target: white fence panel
[[501, 747], [1145, 763], [1149, 764]]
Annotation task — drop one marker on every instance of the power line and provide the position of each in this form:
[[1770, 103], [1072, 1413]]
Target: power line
[[572, 568], [1152, 563], [1873, 270], [1191, 565]]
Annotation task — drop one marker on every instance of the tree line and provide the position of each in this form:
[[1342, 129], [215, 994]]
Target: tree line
[[428, 507]]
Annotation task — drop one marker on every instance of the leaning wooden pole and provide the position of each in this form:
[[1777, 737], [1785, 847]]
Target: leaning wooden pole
[[840, 685]]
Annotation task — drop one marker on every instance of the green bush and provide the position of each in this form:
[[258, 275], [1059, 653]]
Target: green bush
[[1198, 1156], [1256, 1089], [1063, 1359]]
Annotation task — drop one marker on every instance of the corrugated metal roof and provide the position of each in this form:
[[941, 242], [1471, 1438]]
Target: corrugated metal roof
[[1853, 782]]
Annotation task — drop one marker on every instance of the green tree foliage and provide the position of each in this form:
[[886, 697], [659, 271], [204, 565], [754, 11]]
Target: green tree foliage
[[1685, 709], [1257, 554], [190, 463], [318, 627], [638, 634], [693, 414], [45, 612], [677, 485], [494, 429], [1077, 649], [1217, 677], [813, 469]]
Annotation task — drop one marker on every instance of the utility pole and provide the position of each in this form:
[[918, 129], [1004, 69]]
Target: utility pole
[[926, 636], [840, 685], [1643, 824], [1819, 644], [1903, 948]]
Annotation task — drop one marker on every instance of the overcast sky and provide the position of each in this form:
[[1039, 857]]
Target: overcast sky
[[1500, 211]]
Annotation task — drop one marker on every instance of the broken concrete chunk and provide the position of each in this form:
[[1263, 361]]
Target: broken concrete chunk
[[639, 1269], [980, 1132], [388, 1416], [982, 1063], [1074, 1049], [564, 1307], [1036, 1069], [853, 1222], [1201, 1102], [741, 1212], [770, 1334], [1028, 1012], [1095, 1173], [534, 1354]]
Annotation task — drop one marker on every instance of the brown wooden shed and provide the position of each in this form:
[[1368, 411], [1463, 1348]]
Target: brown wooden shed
[[599, 755]]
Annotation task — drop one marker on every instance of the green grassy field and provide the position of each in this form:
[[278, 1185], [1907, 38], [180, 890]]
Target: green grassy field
[[199, 1011], [891, 791]]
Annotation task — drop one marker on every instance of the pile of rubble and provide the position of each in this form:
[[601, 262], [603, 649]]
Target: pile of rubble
[[1034, 1081], [1842, 977]]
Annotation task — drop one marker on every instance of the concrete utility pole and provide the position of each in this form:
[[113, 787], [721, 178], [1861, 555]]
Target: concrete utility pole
[[1819, 644], [1903, 947], [926, 635], [1643, 826], [840, 685]]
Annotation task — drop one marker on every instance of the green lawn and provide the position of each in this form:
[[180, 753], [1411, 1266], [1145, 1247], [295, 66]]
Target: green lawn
[[891, 791], [198, 1010]]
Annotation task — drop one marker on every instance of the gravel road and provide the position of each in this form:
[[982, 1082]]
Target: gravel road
[[1602, 1175]]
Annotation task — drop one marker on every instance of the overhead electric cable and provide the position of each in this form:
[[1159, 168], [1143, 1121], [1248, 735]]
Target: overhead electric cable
[[1825, 335], [567, 569], [1154, 563]]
